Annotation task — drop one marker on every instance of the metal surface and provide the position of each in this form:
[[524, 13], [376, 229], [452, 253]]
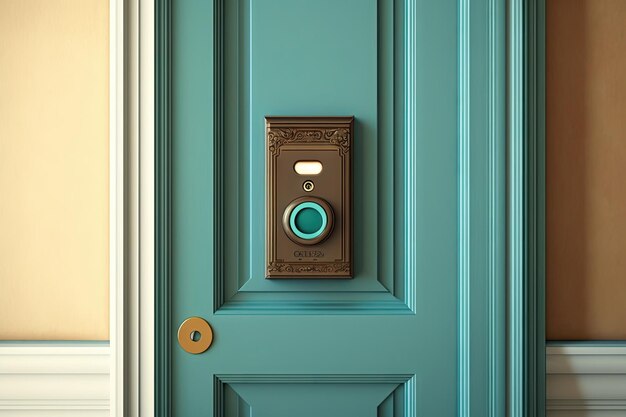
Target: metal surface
[[195, 335], [288, 226], [328, 141]]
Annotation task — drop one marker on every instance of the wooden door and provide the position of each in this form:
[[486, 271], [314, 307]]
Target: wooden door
[[418, 329]]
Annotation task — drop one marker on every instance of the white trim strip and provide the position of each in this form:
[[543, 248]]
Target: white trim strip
[[143, 352], [94, 404], [118, 246], [586, 379], [50, 377]]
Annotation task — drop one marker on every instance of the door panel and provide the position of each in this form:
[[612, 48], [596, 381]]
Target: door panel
[[360, 398], [322, 58], [386, 342]]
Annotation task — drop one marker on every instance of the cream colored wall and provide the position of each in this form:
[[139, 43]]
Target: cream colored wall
[[54, 169], [586, 169]]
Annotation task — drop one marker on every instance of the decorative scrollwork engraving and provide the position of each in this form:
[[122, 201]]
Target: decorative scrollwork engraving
[[317, 268], [330, 139], [339, 137], [281, 136]]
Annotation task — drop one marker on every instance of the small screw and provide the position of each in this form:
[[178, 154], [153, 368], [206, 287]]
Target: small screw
[[308, 186]]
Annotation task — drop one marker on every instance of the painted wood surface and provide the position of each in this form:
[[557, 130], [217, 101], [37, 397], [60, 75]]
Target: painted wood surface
[[49, 380], [586, 379], [526, 208], [419, 330]]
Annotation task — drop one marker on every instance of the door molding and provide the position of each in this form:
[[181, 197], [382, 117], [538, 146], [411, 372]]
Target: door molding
[[43, 378], [132, 294], [586, 377], [120, 251], [162, 210], [526, 208]]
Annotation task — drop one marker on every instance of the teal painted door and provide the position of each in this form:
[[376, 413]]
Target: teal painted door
[[418, 330]]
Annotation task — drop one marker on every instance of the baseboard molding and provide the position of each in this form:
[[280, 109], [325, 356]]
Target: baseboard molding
[[586, 380], [49, 380], [73, 380]]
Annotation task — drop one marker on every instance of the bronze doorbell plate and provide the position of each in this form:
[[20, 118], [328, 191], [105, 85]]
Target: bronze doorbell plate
[[309, 207]]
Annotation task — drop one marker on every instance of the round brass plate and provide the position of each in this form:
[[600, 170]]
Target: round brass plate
[[195, 335]]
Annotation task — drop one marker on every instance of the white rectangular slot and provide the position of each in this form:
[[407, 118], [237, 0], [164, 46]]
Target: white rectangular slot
[[308, 167]]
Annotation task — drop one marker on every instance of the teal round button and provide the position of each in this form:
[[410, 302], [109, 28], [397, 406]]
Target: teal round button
[[308, 220]]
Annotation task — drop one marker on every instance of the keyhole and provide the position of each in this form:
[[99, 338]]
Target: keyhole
[[195, 335]]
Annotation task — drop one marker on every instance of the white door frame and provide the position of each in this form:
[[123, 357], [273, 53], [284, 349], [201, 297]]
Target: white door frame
[[132, 207], [117, 179], [143, 385]]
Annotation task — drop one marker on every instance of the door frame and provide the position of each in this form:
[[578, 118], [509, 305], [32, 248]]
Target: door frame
[[132, 301], [526, 341], [523, 369]]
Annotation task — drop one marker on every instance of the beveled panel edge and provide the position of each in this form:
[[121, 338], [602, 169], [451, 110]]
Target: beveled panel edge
[[305, 307], [308, 121], [314, 378], [218, 155], [409, 283], [163, 310], [464, 215], [407, 381]]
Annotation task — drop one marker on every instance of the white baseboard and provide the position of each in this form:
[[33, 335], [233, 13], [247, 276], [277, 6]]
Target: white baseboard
[[50, 380], [586, 381], [73, 380]]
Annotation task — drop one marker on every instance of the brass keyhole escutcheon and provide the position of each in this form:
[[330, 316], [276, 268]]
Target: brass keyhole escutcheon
[[195, 335]]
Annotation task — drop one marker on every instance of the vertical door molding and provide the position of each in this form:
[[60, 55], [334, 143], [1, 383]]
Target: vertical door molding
[[163, 336], [481, 213], [122, 201], [526, 166], [142, 357], [128, 209]]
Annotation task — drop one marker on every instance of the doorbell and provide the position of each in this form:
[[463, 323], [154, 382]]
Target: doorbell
[[309, 197]]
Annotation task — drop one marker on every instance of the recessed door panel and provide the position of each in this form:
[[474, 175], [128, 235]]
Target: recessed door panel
[[284, 396], [323, 59]]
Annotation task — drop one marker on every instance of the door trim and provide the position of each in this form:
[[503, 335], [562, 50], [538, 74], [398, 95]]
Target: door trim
[[132, 296], [526, 208], [44, 378], [162, 197], [118, 177], [586, 377]]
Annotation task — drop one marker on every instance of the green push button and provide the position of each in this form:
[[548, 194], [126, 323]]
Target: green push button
[[308, 220]]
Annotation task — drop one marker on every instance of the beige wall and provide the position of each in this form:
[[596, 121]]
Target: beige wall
[[54, 169], [586, 169]]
